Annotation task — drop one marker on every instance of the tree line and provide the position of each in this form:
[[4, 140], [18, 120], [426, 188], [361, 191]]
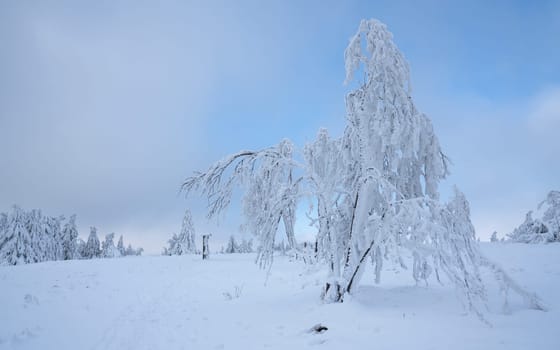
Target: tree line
[[31, 237]]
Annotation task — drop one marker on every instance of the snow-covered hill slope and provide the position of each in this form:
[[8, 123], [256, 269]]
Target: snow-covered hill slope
[[228, 303]]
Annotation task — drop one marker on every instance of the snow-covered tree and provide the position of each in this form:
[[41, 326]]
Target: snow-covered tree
[[108, 249], [494, 237], [172, 249], [69, 239], [120, 246], [129, 250], [375, 188], [3, 223], [29, 237], [246, 246], [184, 243], [530, 231], [270, 197], [545, 228], [80, 248], [3, 230], [92, 248], [15, 243], [39, 242], [232, 246], [39, 238], [52, 238], [551, 215]]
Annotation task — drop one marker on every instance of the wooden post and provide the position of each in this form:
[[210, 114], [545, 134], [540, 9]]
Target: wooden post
[[205, 247]]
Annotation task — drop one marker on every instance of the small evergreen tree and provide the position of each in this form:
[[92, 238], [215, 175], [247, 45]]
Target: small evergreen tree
[[80, 248], [108, 249], [172, 250], [120, 246], [131, 251], [232, 246], [69, 239], [92, 247], [186, 240], [184, 243], [246, 246]]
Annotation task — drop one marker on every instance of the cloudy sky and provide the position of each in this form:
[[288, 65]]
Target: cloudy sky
[[106, 106]]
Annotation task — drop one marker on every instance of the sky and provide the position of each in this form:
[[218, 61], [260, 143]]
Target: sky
[[107, 106]]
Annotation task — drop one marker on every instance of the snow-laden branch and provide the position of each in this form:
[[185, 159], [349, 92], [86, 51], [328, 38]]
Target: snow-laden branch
[[270, 195], [531, 300]]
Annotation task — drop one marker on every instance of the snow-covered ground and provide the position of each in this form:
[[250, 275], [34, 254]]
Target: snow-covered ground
[[163, 302]]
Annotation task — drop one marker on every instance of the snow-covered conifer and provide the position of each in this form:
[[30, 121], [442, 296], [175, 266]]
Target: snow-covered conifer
[[551, 215], [3, 229], [41, 238], [184, 243], [15, 244], [246, 246], [172, 249], [80, 248], [108, 249], [40, 244], [69, 239], [131, 251], [3, 222], [92, 248], [186, 240], [52, 238], [232, 246], [120, 246]]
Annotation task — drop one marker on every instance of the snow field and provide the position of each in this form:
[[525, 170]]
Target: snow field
[[182, 302]]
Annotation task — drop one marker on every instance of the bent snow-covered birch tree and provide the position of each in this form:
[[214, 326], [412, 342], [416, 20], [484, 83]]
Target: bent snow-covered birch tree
[[375, 188]]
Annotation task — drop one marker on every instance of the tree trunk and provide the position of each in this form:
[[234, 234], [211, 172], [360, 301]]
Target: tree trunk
[[205, 247], [356, 273], [333, 292]]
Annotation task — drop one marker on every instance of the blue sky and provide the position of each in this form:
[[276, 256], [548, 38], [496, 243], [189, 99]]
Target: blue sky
[[106, 106]]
